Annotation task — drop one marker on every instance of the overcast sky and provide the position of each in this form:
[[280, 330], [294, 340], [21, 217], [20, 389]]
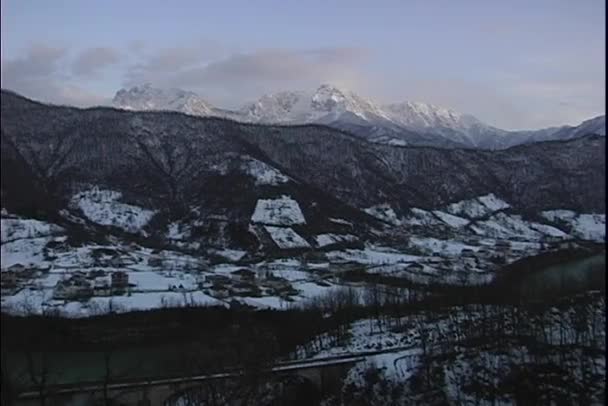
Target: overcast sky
[[513, 64]]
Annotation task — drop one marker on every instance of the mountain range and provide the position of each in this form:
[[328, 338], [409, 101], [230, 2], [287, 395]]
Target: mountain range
[[407, 123], [144, 173]]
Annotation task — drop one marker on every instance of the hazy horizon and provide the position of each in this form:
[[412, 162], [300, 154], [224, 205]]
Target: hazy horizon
[[521, 65]]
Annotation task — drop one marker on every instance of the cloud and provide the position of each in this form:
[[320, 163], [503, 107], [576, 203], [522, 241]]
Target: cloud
[[91, 60], [239, 77], [156, 66], [39, 61], [39, 74]]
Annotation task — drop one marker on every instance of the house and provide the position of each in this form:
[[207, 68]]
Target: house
[[243, 275], [217, 279], [277, 284], [467, 252], [155, 262], [503, 246], [78, 275], [95, 273], [8, 279], [220, 292], [16, 268], [245, 289], [116, 262], [72, 289], [415, 267], [120, 280], [101, 287]]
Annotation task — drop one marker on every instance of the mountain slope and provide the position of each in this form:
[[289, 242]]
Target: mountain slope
[[161, 158]]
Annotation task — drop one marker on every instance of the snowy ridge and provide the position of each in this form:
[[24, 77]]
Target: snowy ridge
[[390, 124], [148, 98]]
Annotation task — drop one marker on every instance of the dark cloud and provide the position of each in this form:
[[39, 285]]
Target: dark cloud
[[92, 60]]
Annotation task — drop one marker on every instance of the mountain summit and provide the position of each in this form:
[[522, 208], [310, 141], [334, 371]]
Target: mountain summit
[[405, 123], [146, 97]]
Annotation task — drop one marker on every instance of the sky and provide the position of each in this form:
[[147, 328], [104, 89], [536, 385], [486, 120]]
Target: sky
[[513, 64]]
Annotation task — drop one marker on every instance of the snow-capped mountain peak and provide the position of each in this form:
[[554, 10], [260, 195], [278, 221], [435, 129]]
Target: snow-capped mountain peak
[[146, 97], [324, 104]]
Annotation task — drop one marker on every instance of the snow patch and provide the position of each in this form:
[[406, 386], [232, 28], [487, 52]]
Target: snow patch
[[324, 240], [102, 207], [286, 238], [478, 207], [278, 212]]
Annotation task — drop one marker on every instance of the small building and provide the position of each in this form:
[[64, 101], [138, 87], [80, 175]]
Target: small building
[[220, 292], [116, 262], [8, 280], [120, 280], [245, 289], [467, 252], [155, 262], [96, 273], [415, 267], [243, 275], [101, 287], [16, 268], [216, 279], [72, 289], [78, 275]]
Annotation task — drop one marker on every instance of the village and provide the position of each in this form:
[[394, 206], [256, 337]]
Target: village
[[134, 273]]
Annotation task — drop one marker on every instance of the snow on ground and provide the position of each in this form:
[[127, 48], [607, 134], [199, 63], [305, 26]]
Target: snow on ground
[[548, 230], [590, 226], [268, 302], [28, 252], [384, 212], [262, 173], [371, 255], [155, 281], [229, 254], [419, 217], [478, 207], [585, 226], [16, 229], [36, 301], [177, 231], [310, 290], [286, 238], [102, 207], [324, 240], [446, 247], [556, 215], [340, 221], [502, 225], [451, 220], [283, 211]]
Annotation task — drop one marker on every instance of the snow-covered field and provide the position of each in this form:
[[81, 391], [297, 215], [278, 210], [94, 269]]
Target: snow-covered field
[[478, 207], [103, 207], [283, 211], [586, 226], [286, 238]]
